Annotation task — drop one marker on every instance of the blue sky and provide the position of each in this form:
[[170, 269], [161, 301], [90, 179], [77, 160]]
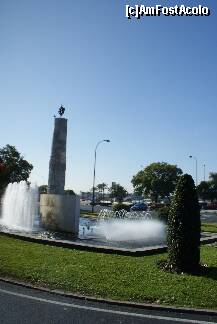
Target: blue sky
[[149, 85]]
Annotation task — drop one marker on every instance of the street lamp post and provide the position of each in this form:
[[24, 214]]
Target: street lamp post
[[94, 172], [193, 157], [204, 172]]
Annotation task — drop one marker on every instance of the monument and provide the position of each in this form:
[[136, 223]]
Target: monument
[[59, 211], [57, 166]]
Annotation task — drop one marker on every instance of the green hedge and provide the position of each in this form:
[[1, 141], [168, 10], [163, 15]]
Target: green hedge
[[183, 237], [118, 207]]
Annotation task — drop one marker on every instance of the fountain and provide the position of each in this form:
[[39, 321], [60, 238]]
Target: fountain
[[145, 231], [20, 207], [131, 233], [20, 214], [129, 226], [58, 213], [124, 229]]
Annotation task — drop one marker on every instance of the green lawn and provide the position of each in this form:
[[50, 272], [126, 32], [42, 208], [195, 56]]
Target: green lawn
[[209, 227], [89, 214], [108, 276]]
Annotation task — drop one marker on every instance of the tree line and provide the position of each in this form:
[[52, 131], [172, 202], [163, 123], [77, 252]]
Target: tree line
[[13, 167], [156, 181], [115, 191]]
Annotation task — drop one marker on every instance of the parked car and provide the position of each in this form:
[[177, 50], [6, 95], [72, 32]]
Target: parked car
[[139, 207], [105, 203], [203, 205], [212, 206]]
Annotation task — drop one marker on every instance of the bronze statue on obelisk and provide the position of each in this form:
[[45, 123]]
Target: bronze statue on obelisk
[[57, 165]]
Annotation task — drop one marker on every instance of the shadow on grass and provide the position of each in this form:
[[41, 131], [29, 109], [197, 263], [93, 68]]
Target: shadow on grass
[[208, 272], [203, 271]]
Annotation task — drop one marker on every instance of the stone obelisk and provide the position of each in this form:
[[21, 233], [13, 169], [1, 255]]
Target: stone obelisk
[[57, 166], [59, 211]]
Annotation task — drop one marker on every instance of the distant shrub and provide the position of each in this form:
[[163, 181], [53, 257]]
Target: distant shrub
[[163, 213], [183, 238], [42, 189], [118, 207], [154, 206], [69, 192]]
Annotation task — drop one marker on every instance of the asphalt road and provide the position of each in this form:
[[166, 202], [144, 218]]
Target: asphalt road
[[209, 216], [19, 305]]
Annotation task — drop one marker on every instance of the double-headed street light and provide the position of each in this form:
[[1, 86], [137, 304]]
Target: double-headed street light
[[193, 157], [94, 172], [204, 172]]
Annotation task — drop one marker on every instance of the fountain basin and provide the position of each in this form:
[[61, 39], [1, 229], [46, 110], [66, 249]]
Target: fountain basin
[[94, 246], [134, 233], [86, 245]]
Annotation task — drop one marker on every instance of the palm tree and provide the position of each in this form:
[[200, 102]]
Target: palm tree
[[101, 187]]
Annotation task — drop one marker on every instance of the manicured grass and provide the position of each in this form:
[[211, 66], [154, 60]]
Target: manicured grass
[[89, 214], [109, 276], [209, 227]]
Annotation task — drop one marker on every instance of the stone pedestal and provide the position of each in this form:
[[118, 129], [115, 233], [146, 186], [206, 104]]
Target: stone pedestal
[[60, 212]]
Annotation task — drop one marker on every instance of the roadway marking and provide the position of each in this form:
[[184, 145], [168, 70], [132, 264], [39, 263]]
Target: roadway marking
[[102, 310]]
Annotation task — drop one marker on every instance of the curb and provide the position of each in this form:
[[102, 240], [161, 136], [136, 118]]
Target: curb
[[89, 247], [172, 309], [151, 250]]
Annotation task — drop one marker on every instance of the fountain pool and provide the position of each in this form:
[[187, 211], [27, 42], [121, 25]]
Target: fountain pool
[[20, 214]]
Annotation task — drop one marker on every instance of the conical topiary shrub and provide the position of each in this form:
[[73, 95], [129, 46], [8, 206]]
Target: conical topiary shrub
[[183, 237]]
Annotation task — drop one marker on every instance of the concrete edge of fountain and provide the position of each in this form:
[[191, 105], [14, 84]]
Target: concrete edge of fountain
[[136, 305], [88, 247], [150, 250]]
